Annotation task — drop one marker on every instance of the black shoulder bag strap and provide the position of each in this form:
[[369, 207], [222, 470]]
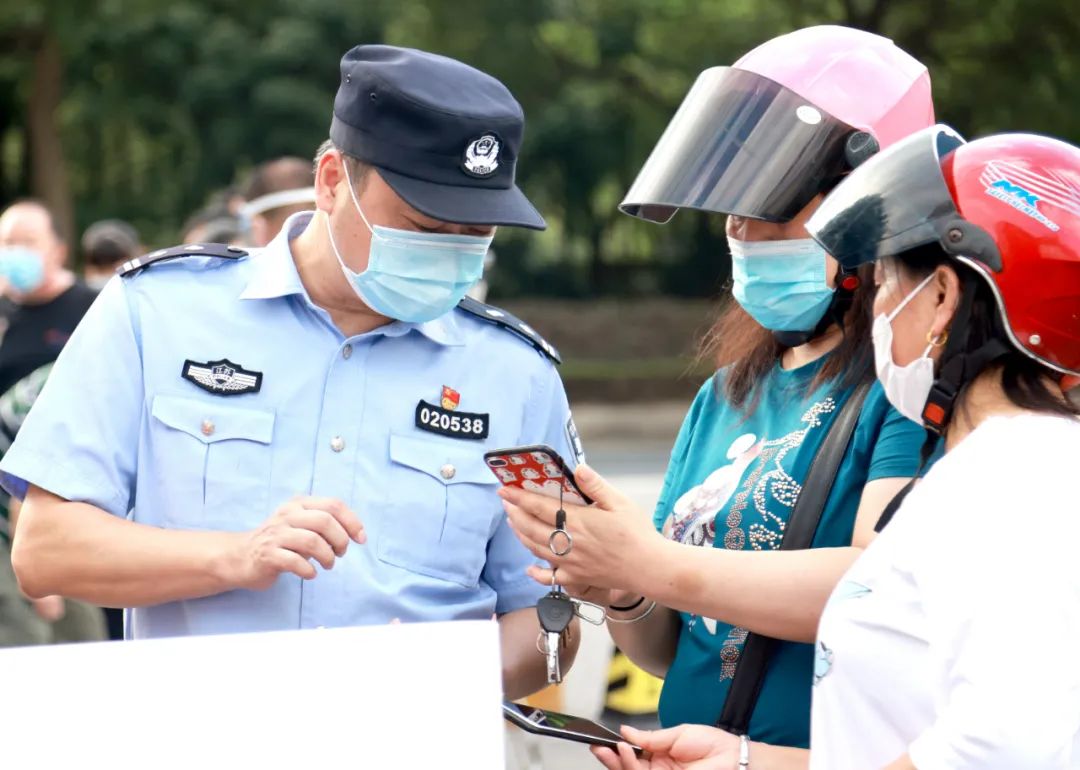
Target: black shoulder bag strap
[[799, 533]]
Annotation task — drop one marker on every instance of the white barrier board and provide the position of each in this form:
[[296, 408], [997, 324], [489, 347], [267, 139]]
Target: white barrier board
[[419, 695]]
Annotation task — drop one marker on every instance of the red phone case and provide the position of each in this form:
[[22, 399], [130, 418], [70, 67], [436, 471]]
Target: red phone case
[[535, 469]]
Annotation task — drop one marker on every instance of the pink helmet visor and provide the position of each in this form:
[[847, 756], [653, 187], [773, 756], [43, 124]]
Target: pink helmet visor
[[860, 78]]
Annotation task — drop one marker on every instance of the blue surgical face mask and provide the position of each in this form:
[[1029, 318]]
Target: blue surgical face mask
[[781, 283], [412, 276], [23, 268]]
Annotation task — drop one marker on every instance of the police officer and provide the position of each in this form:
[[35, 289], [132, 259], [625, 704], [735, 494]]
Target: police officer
[[298, 434]]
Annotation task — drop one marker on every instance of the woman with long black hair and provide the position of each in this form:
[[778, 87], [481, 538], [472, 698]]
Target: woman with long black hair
[[704, 596]]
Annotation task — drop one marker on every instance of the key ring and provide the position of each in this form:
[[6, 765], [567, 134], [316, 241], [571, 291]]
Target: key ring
[[560, 529]]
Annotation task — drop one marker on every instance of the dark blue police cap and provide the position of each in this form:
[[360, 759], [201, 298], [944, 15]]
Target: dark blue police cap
[[443, 135]]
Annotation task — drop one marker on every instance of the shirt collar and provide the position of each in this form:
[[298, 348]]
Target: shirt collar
[[273, 271], [274, 274]]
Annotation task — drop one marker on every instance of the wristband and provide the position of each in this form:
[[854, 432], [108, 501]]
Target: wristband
[[627, 607]]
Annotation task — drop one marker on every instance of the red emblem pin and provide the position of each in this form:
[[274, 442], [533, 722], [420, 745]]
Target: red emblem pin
[[450, 398]]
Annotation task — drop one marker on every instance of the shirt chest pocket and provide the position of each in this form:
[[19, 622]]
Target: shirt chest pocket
[[441, 510], [212, 462]]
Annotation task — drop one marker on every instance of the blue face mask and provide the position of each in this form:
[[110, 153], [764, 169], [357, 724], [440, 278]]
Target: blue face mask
[[23, 268], [781, 283], [412, 276]]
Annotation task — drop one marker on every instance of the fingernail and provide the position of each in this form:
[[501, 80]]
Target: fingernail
[[585, 473]]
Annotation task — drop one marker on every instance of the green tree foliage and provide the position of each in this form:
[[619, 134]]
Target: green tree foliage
[[144, 108]]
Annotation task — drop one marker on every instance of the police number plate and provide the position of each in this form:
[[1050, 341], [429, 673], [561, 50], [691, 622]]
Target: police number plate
[[446, 422]]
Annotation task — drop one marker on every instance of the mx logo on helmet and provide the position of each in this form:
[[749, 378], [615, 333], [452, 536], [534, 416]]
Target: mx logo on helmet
[[1023, 189]]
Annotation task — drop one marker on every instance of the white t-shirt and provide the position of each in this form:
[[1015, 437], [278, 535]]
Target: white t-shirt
[[955, 637]]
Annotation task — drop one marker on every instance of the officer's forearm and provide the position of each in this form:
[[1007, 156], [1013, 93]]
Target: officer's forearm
[[524, 669], [80, 551]]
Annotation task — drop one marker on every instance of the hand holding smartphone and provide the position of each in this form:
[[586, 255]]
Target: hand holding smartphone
[[537, 469]]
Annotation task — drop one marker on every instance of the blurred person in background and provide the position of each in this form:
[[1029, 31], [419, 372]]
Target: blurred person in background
[[49, 619], [762, 142], [213, 224], [45, 304], [277, 189], [105, 246], [46, 300]]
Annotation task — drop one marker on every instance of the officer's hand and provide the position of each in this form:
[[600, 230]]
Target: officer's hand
[[304, 528]]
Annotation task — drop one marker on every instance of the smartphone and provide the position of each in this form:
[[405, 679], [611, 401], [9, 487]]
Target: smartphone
[[536, 469], [564, 726]]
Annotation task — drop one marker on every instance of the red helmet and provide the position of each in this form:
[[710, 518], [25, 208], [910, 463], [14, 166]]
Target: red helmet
[[1008, 206], [1023, 191]]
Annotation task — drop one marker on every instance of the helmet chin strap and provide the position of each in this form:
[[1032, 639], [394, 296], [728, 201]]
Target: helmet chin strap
[[958, 368], [847, 281]]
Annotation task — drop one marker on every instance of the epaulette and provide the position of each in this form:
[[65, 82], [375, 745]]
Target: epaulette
[[221, 250], [511, 324]]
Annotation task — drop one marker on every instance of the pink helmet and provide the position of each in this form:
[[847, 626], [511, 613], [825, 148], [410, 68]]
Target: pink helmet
[[763, 137], [857, 77]]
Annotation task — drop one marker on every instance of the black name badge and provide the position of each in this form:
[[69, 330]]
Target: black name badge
[[445, 422]]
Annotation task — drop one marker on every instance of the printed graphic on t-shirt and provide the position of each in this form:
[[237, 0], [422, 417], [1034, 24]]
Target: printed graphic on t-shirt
[[848, 589], [823, 658], [755, 475], [693, 518]]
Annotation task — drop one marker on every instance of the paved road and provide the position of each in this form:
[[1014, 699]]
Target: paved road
[[629, 445]]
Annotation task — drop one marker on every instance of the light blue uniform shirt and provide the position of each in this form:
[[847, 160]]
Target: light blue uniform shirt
[[118, 427]]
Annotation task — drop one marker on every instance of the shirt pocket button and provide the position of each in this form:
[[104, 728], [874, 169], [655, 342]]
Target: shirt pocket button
[[213, 453], [441, 509]]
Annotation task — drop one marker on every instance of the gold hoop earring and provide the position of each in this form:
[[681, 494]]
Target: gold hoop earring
[[937, 341]]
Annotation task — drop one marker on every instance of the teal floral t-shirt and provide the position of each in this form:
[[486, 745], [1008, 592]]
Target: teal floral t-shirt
[[732, 481]]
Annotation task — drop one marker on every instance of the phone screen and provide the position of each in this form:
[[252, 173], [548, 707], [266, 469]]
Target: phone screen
[[537, 469], [558, 725]]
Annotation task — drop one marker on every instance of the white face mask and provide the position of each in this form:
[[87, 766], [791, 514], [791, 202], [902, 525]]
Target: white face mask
[[906, 387]]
